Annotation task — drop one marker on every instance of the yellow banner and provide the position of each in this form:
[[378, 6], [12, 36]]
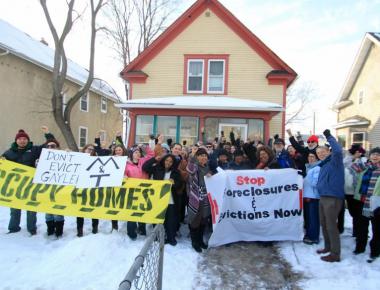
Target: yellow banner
[[138, 200]]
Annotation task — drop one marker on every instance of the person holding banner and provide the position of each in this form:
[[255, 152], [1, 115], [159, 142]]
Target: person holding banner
[[199, 210], [24, 152], [165, 168], [367, 189], [266, 159], [134, 169], [331, 189], [54, 222], [89, 149]]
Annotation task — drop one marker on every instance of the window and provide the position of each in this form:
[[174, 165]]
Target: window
[[195, 76], [103, 136], [188, 130], [215, 76], [84, 103], [144, 127], [342, 140], [206, 74], [82, 136], [358, 138], [103, 105], [167, 125], [360, 97]]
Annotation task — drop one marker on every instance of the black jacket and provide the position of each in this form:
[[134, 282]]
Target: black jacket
[[26, 156], [156, 170]]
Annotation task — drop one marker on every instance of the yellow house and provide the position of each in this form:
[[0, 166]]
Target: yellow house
[[358, 106], [206, 74], [25, 93]]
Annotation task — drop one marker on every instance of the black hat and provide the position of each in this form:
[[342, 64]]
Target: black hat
[[279, 141], [223, 152], [356, 147], [201, 151], [375, 150], [238, 153]]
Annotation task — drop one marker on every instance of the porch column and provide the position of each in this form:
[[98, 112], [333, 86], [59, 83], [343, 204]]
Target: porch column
[[132, 129]]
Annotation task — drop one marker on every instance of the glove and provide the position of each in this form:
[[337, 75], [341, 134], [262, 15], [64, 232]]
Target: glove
[[276, 136], [327, 133]]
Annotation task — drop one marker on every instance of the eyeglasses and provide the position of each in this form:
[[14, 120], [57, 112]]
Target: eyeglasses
[[51, 145], [208, 146]]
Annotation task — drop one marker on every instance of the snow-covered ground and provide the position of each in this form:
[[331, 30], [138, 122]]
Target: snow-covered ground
[[101, 261]]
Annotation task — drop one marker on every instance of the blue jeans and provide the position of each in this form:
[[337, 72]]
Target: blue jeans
[[14, 222], [54, 218], [311, 208]]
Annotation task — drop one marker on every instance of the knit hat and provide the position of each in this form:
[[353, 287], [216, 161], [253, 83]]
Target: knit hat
[[21, 133], [374, 150], [238, 153], [133, 150], [313, 138], [201, 151], [356, 147], [53, 140]]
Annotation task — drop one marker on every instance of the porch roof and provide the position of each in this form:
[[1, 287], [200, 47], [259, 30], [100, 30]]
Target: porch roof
[[201, 103], [352, 121]]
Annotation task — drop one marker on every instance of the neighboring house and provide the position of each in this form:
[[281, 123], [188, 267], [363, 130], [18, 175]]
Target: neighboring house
[[206, 73], [26, 89], [358, 106]]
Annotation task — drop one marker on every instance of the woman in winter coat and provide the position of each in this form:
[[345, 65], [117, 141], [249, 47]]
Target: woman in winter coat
[[54, 222], [367, 189], [297, 159], [265, 158], [89, 149], [353, 162], [199, 210], [311, 200], [134, 169], [165, 169], [118, 150]]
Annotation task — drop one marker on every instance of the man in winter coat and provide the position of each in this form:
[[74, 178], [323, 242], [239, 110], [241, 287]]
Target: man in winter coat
[[22, 151], [282, 156], [312, 144], [331, 189]]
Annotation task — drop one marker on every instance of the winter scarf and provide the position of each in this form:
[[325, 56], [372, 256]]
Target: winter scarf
[[367, 187]]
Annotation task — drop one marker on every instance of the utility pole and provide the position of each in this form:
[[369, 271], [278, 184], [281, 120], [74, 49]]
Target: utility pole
[[314, 123]]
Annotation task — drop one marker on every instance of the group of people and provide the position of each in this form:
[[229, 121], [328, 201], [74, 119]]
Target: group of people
[[330, 178]]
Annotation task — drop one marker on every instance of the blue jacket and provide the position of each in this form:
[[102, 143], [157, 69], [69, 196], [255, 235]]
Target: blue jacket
[[331, 175], [310, 181], [284, 160]]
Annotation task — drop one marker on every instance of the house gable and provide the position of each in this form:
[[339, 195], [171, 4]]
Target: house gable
[[187, 19]]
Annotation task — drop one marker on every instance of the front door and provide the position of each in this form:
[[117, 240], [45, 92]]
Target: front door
[[240, 130]]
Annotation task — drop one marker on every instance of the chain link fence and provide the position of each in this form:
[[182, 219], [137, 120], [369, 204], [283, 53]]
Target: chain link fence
[[146, 271]]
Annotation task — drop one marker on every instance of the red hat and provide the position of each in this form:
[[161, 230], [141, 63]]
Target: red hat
[[313, 138], [21, 133]]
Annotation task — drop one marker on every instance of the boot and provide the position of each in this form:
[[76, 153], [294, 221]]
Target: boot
[[50, 228], [115, 226], [94, 229], [59, 228], [194, 235], [202, 244], [80, 232]]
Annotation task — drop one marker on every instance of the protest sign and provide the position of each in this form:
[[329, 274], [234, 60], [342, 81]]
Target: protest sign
[[102, 171], [58, 167], [255, 205], [136, 200]]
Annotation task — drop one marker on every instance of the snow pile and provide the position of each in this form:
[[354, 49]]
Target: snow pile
[[353, 272], [93, 262]]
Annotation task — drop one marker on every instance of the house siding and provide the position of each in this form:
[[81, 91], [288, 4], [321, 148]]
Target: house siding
[[369, 80], [25, 92], [210, 35]]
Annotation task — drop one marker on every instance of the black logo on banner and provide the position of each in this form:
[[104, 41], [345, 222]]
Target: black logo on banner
[[100, 165]]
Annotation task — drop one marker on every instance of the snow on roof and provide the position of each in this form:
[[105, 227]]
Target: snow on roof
[[202, 103], [22, 45]]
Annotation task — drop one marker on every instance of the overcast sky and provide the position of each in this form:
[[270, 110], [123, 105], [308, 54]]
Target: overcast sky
[[317, 38]]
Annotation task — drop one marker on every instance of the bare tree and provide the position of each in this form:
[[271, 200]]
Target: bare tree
[[150, 18], [298, 97], [60, 67]]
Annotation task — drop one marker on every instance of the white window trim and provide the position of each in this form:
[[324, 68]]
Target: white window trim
[[101, 105], [188, 74], [105, 135], [82, 127], [88, 103], [208, 77], [362, 92], [361, 132]]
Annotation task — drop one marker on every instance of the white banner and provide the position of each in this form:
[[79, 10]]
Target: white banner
[[104, 171], [255, 205], [79, 169], [58, 167]]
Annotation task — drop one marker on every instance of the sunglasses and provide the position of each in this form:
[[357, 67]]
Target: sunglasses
[[308, 142], [51, 146]]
